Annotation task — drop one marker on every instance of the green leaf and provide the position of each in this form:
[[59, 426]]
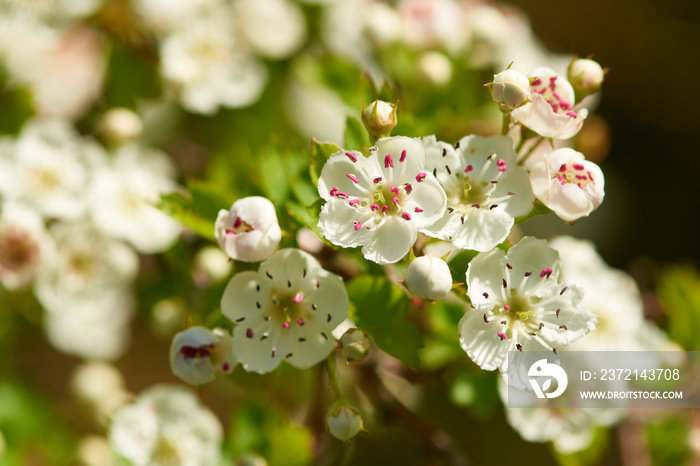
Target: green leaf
[[356, 136], [307, 216], [273, 177], [678, 290], [198, 208], [260, 427], [667, 440], [320, 152], [538, 209], [380, 311]]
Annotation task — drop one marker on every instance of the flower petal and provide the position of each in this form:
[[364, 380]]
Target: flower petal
[[241, 298], [337, 223], [413, 163], [331, 300], [431, 201], [391, 241], [485, 275], [481, 341], [483, 229], [532, 255], [258, 354], [336, 169], [576, 317], [291, 269], [308, 345]]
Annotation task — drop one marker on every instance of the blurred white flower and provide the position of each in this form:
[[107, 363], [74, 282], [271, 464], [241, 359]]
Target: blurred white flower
[[550, 112], [429, 277], [120, 125], [486, 189], [94, 450], [585, 75], [273, 28], [197, 354], [519, 304], [568, 184], [85, 288], [285, 311], [58, 12], [165, 16], [433, 24], [48, 167], [123, 195], [101, 386], [315, 111], [211, 265], [165, 426], [381, 201], [436, 68], [211, 66], [23, 243], [249, 231]]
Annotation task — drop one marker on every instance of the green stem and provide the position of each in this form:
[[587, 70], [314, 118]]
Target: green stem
[[531, 150], [333, 376], [506, 123], [522, 141]]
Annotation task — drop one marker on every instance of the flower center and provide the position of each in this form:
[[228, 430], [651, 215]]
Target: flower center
[[287, 309], [520, 306], [574, 173], [548, 88], [239, 226]]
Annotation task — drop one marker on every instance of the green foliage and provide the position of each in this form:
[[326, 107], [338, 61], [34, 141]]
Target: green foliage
[[198, 208], [380, 311], [356, 137], [667, 441], [678, 289], [320, 152], [260, 427]]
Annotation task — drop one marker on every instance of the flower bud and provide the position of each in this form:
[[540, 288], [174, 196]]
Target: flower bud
[[197, 354], [510, 89], [379, 119], [344, 421], [429, 278], [354, 345], [120, 125], [249, 232], [586, 76]]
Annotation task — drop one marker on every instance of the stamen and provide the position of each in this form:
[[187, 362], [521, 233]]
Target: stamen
[[504, 322], [354, 202], [486, 295], [249, 333], [493, 206], [418, 210], [328, 319], [563, 290], [403, 156], [537, 82], [241, 319], [477, 206], [300, 321], [358, 226], [563, 167], [554, 348], [374, 207], [563, 327], [408, 187], [388, 161], [519, 346], [450, 209], [502, 335], [286, 324], [508, 266], [353, 178], [435, 172], [572, 114], [486, 320], [334, 191], [541, 325], [505, 283], [506, 308], [421, 176], [384, 209], [558, 311], [406, 215], [457, 145], [546, 272], [351, 156], [447, 167], [501, 165], [395, 200], [578, 166], [377, 179], [237, 223], [444, 152], [468, 169], [298, 298]]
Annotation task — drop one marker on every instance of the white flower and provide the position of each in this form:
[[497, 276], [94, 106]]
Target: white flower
[[381, 201], [436, 68], [23, 242], [211, 66], [432, 24], [48, 168], [568, 184], [249, 232], [285, 311], [85, 288], [166, 425], [274, 28], [120, 125], [197, 354], [123, 197], [519, 304], [101, 387], [163, 16], [550, 112], [486, 190], [429, 278]]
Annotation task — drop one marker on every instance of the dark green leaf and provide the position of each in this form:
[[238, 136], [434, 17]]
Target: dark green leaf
[[356, 137]]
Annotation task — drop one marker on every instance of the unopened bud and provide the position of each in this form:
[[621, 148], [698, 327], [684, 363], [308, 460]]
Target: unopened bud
[[379, 119], [586, 76], [510, 89], [198, 354], [354, 345], [429, 278], [120, 125], [344, 421]]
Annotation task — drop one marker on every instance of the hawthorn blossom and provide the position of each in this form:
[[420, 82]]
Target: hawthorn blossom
[[381, 201], [166, 425], [197, 354], [23, 243], [568, 184], [519, 304], [285, 311], [486, 189], [124, 195], [48, 168], [273, 28], [249, 231], [550, 112], [210, 66]]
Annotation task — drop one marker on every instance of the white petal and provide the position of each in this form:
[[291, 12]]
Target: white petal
[[394, 147], [391, 242], [331, 300], [291, 269], [572, 313], [481, 341], [532, 255], [241, 298], [429, 196], [307, 345], [255, 352], [483, 229], [336, 169], [515, 180], [445, 227], [485, 275], [337, 223]]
